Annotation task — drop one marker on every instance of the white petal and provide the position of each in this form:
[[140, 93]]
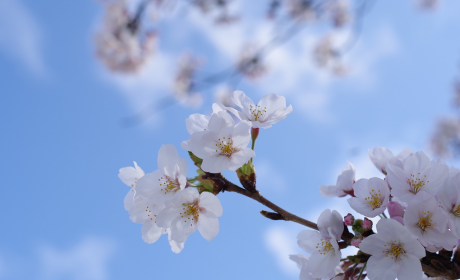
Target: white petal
[[308, 240], [380, 267], [196, 122], [151, 232], [216, 164], [208, 225], [321, 265], [167, 156], [129, 175], [211, 203], [410, 268]]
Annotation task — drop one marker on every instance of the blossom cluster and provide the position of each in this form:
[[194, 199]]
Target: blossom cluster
[[422, 198], [166, 201]]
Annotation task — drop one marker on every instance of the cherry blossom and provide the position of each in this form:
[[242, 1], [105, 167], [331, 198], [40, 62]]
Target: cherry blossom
[[396, 211], [302, 260], [371, 197], [322, 245], [418, 173], [380, 156], [170, 177], [394, 253], [426, 220], [343, 186], [187, 211], [270, 110], [224, 145], [129, 175], [449, 196]]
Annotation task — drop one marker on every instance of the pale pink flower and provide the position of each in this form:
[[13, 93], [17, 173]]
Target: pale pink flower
[[417, 173], [270, 109], [371, 197], [188, 211], [162, 184], [322, 245], [396, 211], [302, 260], [380, 156], [343, 186], [129, 176], [426, 220], [394, 253], [449, 196]]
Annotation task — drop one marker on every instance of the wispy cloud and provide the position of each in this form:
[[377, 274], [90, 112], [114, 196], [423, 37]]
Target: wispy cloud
[[21, 36], [87, 260], [282, 243]]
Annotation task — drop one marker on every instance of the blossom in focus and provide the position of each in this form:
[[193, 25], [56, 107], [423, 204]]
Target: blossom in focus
[[417, 173], [426, 220], [394, 253], [162, 184], [343, 186], [188, 211], [120, 43], [301, 261], [380, 156], [270, 109], [129, 175], [371, 197], [449, 196], [396, 211], [322, 245], [224, 145]]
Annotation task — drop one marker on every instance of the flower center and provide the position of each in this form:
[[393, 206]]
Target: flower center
[[190, 213], [256, 111], [374, 200], [226, 146], [324, 247], [456, 211], [169, 185], [395, 251], [416, 183], [425, 222]]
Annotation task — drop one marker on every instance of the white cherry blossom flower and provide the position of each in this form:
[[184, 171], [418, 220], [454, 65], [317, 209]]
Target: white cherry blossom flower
[[426, 220], [418, 173], [129, 175], [449, 196], [394, 253], [170, 177], [323, 245], [371, 197], [224, 145], [270, 110], [187, 211], [199, 122], [301, 261], [380, 156], [343, 186]]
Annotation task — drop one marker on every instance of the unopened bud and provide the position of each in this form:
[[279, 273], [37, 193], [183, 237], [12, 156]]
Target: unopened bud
[[357, 240], [395, 209], [247, 176], [367, 224], [254, 133], [349, 219]]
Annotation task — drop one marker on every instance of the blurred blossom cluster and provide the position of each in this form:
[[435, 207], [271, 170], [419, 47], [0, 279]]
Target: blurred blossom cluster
[[445, 140], [121, 42]]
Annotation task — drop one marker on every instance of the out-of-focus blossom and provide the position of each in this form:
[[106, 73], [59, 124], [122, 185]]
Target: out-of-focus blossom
[[445, 141], [223, 95], [300, 9], [120, 42], [343, 186], [250, 64], [183, 82], [339, 11], [427, 4], [326, 56]]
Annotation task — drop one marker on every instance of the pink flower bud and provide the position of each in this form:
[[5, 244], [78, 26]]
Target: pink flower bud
[[367, 224], [395, 209], [349, 219], [355, 242]]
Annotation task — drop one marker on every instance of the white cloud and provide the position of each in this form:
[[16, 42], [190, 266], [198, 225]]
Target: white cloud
[[21, 36], [282, 243], [268, 177], [87, 260]]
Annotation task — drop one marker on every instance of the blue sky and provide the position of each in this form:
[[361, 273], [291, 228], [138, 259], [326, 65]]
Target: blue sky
[[62, 143]]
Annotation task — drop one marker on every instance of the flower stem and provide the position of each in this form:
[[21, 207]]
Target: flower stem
[[385, 216], [361, 272]]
